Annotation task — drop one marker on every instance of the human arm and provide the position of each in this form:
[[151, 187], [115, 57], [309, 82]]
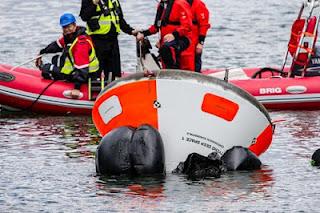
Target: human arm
[[53, 47], [124, 26], [204, 25], [153, 29], [88, 10], [150, 31]]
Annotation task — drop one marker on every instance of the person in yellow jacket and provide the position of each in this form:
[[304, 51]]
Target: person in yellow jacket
[[105, 20], [78, 60]]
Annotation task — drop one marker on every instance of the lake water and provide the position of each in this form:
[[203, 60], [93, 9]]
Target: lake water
[[47, 163]]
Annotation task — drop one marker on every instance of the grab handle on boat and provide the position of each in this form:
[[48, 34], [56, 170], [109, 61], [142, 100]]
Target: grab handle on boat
[[26, 62], [140, 57], [311, 3], [226, 75]]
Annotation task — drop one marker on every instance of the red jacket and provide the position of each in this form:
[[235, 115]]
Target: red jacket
[[176, 20], [200, 19], [81, 50]]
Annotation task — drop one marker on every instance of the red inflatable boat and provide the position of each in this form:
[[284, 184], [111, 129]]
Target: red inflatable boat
[[272, 90], [24, 89]]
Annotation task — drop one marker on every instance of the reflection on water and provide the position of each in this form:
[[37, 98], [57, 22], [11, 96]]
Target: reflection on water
[[151, 187], [240, 185], [55, 156], [300, 132], [77, 134], [176, 193], [41, 142], [304, 125]]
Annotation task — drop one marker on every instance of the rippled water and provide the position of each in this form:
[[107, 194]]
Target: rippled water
[[47, 163]]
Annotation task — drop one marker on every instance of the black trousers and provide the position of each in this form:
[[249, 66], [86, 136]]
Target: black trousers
[[108, 53], [198, 62]]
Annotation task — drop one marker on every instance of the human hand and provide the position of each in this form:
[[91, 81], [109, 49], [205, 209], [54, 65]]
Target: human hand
[[158, 44], [139, 36], [75, 94], [96, 2], [38, 61], [199, 48], [135, 32], [168, 38]]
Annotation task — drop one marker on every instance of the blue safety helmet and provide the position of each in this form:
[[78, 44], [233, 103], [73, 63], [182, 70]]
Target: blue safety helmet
[[67, 19]]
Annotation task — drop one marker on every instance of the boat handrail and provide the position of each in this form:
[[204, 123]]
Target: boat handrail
[[311, 4]]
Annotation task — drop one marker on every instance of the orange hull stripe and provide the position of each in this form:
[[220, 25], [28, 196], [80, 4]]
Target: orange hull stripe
[[263, 141], [220, 107], [136, 100]]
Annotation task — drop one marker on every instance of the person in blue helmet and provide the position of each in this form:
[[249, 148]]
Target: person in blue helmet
[[78, 60]]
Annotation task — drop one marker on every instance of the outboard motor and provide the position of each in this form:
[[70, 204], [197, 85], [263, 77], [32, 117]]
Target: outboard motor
[[240, 158], [129, 151], [237, 158], [198, 167], [315, 159]]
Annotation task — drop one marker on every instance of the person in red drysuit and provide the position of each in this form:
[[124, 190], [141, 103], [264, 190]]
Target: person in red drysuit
[[174, 21], [200, 27]]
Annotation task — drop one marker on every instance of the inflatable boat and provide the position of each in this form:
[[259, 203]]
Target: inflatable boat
[[23, 89], [271, 88], [293, 87], [191, 111]]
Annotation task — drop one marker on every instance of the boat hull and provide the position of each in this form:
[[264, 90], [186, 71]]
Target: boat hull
[[192, 112], [25, 89]]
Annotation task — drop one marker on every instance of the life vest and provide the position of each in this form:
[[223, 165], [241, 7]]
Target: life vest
[[163, 15], [105, 22], [308, 40], [68, 66], [168, 17], [296, 32]]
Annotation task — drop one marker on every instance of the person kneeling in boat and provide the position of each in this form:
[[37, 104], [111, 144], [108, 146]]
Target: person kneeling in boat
[[78, 60], [174, 22], [313, 67]]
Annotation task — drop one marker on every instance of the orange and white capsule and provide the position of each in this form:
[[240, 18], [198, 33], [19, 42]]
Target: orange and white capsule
[[192, 112]]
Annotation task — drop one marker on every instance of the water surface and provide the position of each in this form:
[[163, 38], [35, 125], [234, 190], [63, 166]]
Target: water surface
[[47, 163]]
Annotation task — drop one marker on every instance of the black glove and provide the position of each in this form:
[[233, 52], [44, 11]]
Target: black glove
[[45, 71], [80, 76]]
